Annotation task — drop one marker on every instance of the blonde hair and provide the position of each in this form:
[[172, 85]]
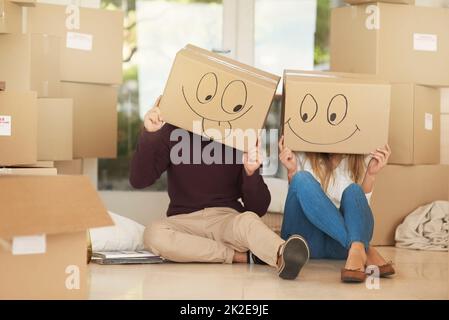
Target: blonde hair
[[323, 166]]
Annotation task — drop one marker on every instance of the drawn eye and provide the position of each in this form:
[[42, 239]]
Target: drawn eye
[[207, 88], [234, 97], [337, 109], [309, 108]]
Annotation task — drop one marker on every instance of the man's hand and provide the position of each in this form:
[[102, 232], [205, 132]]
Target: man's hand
[[252, 159], [287, 158], [153, 119]]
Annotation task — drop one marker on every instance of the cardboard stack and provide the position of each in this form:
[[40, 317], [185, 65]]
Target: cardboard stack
[[408, 46], [60, 68]]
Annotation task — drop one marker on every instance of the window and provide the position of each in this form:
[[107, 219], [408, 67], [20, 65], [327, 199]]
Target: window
[[287, 34]]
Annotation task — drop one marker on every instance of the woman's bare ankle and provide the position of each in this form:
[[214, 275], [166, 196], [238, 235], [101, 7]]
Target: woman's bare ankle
[[356, 257]]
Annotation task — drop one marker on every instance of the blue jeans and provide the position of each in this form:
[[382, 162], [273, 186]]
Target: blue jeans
[[329, 231]]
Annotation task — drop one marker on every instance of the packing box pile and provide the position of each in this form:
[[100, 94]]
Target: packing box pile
[[407, 46], [73, 74], [58, 105]]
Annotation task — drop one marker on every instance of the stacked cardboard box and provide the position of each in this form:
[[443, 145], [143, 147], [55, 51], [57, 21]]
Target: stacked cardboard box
[[408, 46], [58, 102]]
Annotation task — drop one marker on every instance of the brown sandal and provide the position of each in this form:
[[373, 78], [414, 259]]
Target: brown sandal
[[352, 276], [386, 270]]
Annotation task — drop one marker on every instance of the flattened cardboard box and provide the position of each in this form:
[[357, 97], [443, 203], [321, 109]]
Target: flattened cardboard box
[[91, 53], [217, 97], [401, 189], [30, 62], [55, 129], [334, 112], [18, 128], [94, 119], [398, 43], [10, 17], [414, 124], [46, 229]]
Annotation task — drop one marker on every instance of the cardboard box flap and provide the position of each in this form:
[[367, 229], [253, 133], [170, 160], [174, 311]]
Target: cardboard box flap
[[270, 78], [49, 204]]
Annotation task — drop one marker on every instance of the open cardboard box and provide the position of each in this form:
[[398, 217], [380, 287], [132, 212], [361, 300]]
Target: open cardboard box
[[43, 232], [334, 112], [217, 97]]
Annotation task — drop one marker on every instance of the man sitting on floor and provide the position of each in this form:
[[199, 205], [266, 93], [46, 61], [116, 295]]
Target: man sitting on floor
[[206, 221]]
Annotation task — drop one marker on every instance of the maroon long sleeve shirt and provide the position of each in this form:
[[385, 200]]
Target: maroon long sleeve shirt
[[192, 187]]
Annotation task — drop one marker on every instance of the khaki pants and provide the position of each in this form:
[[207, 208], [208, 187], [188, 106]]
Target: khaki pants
[[212, 235]]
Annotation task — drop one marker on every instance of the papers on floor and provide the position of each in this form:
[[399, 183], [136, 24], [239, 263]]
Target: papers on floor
[[125, 257]]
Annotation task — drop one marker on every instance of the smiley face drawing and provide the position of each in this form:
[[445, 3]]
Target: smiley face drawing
[[218, 103], [332, 117]]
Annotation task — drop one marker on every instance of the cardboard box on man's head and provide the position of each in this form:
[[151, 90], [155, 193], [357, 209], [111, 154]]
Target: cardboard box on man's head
[[334, 112], [43, 235], [217, 97]]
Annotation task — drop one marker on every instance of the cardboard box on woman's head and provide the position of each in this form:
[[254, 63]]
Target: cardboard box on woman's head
[[217, 97], [335, 112]]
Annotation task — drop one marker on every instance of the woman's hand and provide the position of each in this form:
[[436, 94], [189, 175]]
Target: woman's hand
[[288, 158], [379, 160], [252, 159], [153, 119]]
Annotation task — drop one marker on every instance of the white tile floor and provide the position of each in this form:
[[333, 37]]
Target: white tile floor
[[420, 275]]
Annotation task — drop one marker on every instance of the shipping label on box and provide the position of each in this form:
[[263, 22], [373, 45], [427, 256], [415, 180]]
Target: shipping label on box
[[5, 126], [325, 112], [217, 97]]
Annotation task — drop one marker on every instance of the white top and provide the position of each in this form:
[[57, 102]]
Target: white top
[[340, 181]]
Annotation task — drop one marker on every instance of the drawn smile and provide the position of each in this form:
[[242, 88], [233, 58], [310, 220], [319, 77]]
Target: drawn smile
[[217, 120], [318, 143]]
